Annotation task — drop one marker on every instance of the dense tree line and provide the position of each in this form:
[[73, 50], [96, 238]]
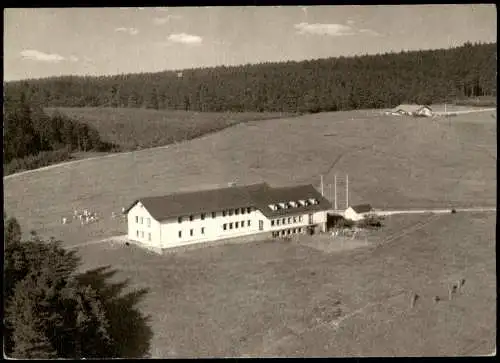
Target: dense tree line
[[369, 81], [33, 139], [52, 311]]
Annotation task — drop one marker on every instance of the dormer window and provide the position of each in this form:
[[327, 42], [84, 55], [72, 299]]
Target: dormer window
[[313, 201], [273, 207], [282, 205], [292, 204], [302, 202]]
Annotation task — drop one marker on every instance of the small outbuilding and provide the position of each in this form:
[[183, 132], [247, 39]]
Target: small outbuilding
[[412, 110], [357, 212]]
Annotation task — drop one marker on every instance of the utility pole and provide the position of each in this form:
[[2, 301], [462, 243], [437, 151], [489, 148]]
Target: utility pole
[[335, 190], [330, 193], [347, 191]]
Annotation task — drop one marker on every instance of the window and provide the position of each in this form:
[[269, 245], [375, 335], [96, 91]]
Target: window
[[278, 222], [191, 232], [289, 220], [224, 226], [149, 222], [284, 221], [249, 209], [214, 214], [137, 233], [236, 211], [149, 236], [272, 222], [202, 230], [180, 234], [242, 210], [202, 216], [230, 226], [248, 223], [243, 223], [191, 218], [294, 219], [300, 218], [223, 213], [142, 220], [230, 212], [136, 219], [236, 224], [179, 219]]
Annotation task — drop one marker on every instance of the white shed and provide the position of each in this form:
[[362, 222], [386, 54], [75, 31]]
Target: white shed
[[357, 212]]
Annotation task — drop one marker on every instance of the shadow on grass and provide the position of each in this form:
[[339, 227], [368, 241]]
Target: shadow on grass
[[128, 327]]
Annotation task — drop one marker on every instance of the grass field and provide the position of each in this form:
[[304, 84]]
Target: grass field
[[266, 298], [392, 162], [280, 299], [134, 128]]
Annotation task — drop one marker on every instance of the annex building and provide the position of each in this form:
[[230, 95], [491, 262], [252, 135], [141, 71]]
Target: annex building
[[210, 215]]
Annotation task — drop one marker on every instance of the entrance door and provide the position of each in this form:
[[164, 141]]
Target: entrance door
[[261, 225]]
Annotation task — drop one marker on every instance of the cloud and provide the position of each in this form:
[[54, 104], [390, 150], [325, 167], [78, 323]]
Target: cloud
[[334, 30], [165, 19], [36, 55], [369, 32], [185, 38], [131, 31], [324, 29]]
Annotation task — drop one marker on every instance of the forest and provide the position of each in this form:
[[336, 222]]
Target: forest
[[34, 139], [331, 84]]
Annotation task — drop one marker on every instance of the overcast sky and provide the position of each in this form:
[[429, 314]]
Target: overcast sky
[[97, 41]]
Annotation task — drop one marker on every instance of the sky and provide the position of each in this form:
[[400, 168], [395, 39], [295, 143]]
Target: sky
[[45, 42]]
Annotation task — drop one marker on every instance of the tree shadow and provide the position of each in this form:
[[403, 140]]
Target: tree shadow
[[129, 329]]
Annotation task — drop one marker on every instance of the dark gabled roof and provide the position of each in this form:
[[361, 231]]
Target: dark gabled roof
[[203, 201], [362, 208], [256, 195], [287, 194]]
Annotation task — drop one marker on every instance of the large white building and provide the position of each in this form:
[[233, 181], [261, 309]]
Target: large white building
[[209, 215]]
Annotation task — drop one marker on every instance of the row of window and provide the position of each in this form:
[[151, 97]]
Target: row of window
[[148, 220], [293, 204], [191, 232], [288, 232], [283, 221], [229, 212], [241, 224], [142, 235]]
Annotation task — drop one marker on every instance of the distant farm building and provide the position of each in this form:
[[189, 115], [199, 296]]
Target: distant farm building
[[411, 110], [357, 212], [210, 215]]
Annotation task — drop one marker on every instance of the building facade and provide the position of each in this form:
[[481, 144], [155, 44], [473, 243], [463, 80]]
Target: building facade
[[210, 215], [357, 212]]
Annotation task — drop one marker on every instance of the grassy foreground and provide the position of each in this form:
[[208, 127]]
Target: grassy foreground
[[280, 299]]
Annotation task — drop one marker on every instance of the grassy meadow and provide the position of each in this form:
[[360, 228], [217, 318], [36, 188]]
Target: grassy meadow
[[280, 299], [392, 162], [137, 128]]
